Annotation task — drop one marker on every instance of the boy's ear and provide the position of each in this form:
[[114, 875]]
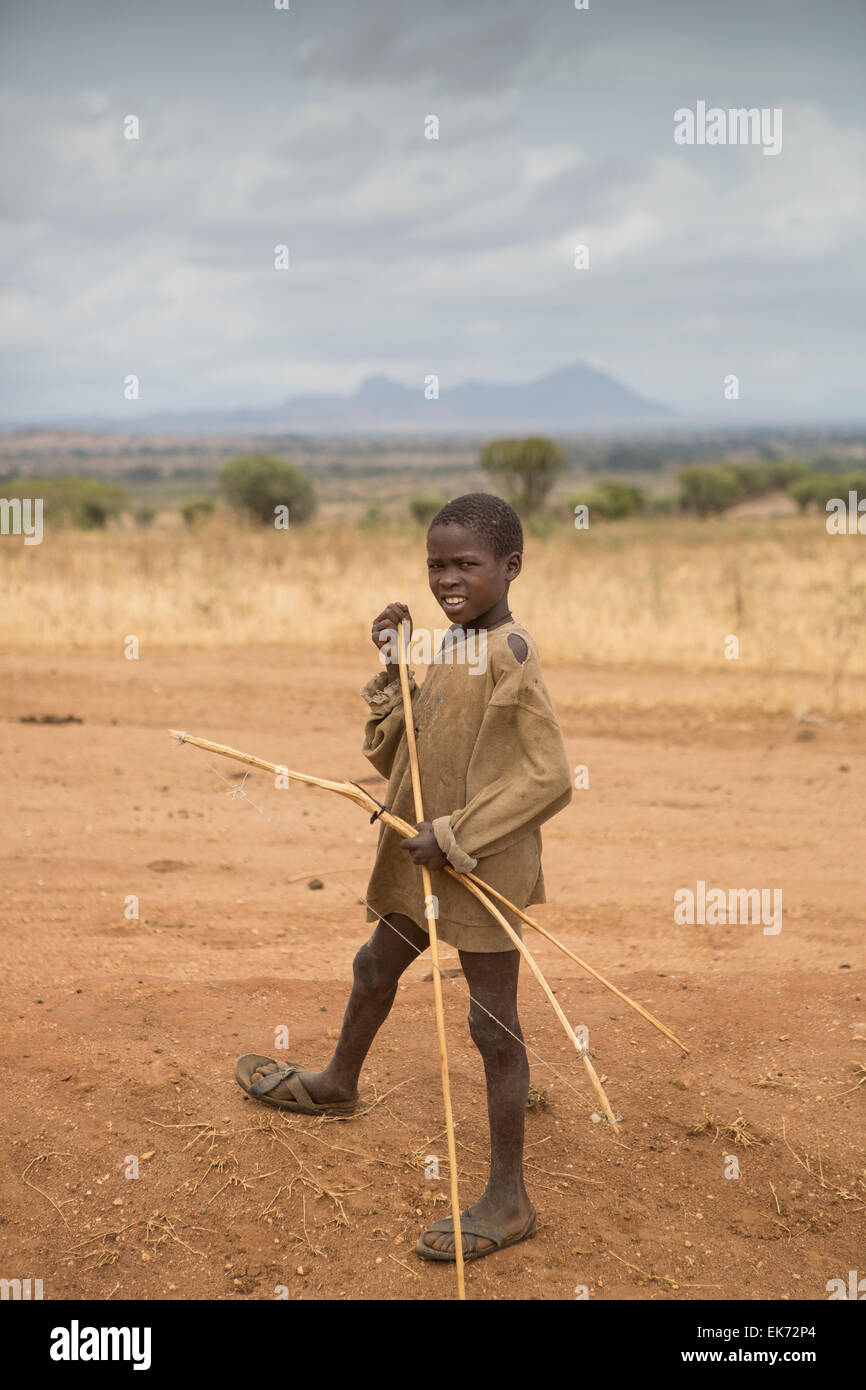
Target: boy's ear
[[514, 564]]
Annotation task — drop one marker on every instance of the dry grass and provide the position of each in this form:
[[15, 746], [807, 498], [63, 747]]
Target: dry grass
[[856, 1192], [663, 593], [737, 1132], [860, 1070], [537, 1098]]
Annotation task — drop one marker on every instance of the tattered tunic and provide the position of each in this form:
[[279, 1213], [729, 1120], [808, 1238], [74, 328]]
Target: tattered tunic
[[493, 768]]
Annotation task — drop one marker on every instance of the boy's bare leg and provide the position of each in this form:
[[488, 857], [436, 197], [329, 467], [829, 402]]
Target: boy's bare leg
[[377, 969], [492, 981]]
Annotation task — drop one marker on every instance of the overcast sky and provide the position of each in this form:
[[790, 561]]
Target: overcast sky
[[411, 256]]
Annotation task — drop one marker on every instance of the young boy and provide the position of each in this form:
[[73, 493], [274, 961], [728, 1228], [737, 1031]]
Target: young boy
[[493, 767]]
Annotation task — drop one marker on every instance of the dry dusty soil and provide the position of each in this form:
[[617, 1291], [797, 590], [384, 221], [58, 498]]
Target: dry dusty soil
[[120, 1034]]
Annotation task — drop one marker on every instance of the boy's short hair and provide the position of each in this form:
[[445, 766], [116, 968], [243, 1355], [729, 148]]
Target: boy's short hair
[[490, 517]]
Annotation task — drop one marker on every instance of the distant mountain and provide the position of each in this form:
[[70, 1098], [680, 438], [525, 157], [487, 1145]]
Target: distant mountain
[[568, 399]]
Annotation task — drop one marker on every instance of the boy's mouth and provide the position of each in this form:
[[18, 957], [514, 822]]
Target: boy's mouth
[[453, 602]]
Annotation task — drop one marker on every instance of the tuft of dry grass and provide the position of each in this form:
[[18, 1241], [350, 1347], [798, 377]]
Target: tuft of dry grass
[[663, 592], [860, 1071], [737, 1132], [43, 1158], [537, 1098]]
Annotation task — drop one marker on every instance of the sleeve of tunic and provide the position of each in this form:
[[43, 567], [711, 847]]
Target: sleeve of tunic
[[519, 774], [385, 726]]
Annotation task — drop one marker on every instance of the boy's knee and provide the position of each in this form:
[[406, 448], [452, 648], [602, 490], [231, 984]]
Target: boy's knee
[[489, 1035], [372, 973]]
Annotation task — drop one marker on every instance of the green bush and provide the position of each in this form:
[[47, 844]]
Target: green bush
[[753, 479], [756, 479], [196, 509], [371, 518], [805, 490], [704, 490], [819, 488], [424, 509], [787, 471], [86, 503], [611, 501], [144, 516], [527, 468], [259, 483]]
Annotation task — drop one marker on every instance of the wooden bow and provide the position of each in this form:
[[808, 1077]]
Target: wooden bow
[[471, 882]]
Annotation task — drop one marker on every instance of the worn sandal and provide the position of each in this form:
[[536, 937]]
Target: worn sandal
[[470, 1229], [302, 1103]]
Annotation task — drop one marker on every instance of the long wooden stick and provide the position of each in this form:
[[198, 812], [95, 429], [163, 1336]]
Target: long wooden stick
[[430, 914], [369, 803]]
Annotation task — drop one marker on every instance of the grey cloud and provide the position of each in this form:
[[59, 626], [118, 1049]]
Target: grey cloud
[[409, 255], [455, 45]]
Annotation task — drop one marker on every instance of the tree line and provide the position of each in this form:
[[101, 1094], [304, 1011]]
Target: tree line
[[524, 470]]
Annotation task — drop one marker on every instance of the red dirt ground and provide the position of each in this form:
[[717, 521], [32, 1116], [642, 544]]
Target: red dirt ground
[[121, 1035]]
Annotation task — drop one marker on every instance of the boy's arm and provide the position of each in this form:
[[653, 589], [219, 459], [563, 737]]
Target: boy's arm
[[385, 726]]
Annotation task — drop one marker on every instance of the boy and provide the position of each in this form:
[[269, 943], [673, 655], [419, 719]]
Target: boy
[[493, 767]]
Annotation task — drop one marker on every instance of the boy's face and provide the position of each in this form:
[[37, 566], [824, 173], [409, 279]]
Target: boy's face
[[466, 578]]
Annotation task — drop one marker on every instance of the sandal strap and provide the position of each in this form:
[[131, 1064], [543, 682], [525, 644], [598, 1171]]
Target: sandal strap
[[267, 1083], [287, 1073], [470, 1226]]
